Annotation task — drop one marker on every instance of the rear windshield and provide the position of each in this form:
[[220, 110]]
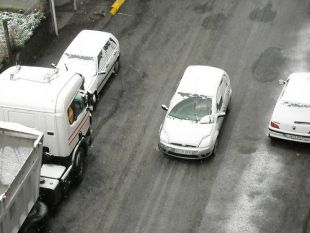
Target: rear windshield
[[80, 64]]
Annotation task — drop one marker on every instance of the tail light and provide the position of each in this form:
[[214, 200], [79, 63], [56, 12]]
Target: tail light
[[274, 124]]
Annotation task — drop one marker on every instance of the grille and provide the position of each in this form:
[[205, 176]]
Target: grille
[[178, 144]]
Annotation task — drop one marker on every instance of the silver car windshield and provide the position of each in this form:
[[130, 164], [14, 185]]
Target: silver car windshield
[[192, 108]]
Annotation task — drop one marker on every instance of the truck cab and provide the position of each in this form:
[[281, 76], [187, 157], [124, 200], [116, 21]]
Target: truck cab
[[53, 102]]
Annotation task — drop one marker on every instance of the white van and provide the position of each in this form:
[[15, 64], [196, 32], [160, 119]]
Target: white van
[[95, 55], [53, 102]]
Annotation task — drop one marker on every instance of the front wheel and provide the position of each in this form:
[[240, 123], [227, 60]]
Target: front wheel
[[214, 149], [79, 167], [94, 100], [117, 66]]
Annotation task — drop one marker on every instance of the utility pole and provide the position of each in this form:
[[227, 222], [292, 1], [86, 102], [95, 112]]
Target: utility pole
[[7, 40], [53, 13]]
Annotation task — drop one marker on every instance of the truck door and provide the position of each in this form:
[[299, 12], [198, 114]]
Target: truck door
[[78, 119]]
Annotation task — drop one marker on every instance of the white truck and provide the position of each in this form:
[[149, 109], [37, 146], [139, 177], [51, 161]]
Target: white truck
[[20, 164], [53, 102]]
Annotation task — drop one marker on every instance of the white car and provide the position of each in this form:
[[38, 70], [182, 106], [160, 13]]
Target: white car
[[291, 116], [95, 55], [192, 124]]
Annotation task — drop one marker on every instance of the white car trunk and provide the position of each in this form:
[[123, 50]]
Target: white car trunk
[[292, 118]]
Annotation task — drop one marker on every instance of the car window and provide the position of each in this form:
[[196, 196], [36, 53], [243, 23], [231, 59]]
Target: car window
[[113, 44], [76, 108], [102, 61], [219, 103], [108, 49], [192, 108]]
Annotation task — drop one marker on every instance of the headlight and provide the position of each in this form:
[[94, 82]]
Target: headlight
[[205, 142], [164, 136]]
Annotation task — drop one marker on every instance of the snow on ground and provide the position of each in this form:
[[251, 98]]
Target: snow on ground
[[21, 27]]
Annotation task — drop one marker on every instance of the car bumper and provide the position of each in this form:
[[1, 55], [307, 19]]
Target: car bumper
[[289, 136], [184, 152]]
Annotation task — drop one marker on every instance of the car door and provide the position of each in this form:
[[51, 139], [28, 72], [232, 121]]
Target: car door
[[109, 50]]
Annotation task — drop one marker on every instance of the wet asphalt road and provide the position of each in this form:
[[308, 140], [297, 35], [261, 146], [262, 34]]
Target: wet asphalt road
[[253, 184]]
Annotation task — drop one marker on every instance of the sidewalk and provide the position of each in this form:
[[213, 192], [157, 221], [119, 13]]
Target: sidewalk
[[89, 10]]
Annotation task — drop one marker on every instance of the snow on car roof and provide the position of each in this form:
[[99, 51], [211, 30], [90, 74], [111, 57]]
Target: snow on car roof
[[202, 80], [298, 88], [88, 43], [35, 88]]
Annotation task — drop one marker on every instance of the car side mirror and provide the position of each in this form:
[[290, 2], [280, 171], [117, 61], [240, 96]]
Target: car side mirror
[[88, 100], [164, 107], [282, 82], [207, 119], [221, 114]]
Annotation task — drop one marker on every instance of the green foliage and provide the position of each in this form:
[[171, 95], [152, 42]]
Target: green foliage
[[21, 26]]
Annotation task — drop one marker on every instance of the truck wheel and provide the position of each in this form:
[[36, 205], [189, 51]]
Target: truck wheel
[[117, 66], [79, 166], [94, 101]]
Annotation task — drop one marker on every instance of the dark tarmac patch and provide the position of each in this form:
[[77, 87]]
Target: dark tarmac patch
[[268, 66], [206, 7], [253, 195], [247, 149], [214, 22], [264, 15]]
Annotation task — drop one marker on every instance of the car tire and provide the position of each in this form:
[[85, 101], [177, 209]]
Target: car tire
[[117, 66], [79, 166], [94, 102], [213, 153], [228, 106], [33, 230]]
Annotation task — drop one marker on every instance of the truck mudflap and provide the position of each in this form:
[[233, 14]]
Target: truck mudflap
[[36, 219]]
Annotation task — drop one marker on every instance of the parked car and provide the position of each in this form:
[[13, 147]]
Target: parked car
[[192, 124], [290, 119], [95, 55]]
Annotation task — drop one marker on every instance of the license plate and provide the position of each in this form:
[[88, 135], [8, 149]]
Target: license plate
[[294, 136], [179, 151]]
